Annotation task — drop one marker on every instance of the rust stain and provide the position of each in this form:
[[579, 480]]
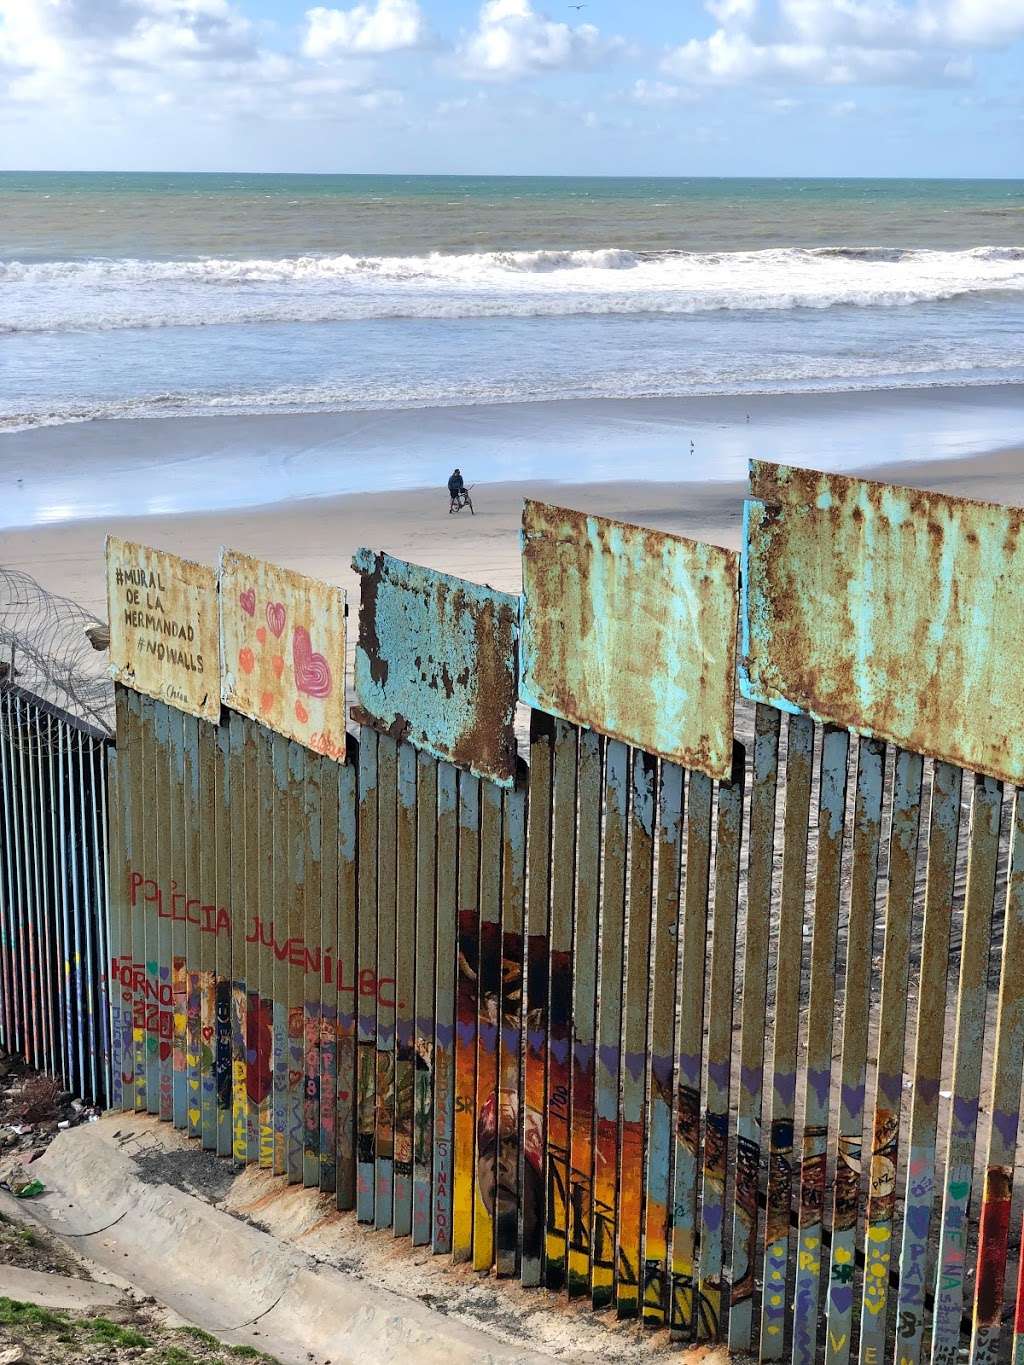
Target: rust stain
[[890, 611], [631, 632], [437, 663]]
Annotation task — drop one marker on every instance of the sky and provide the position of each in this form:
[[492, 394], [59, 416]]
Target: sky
[[648, 87]]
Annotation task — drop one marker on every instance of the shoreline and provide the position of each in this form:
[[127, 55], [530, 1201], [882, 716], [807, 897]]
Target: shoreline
[[318, 536], [185, 466]]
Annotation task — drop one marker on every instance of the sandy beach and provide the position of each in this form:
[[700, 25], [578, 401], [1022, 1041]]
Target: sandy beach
[[319, 535]]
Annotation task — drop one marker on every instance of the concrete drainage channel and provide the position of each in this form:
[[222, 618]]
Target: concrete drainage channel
[[260, 1263], [227, 1276]]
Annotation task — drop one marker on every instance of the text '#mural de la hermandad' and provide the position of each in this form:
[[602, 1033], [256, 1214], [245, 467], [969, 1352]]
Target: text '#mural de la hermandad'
[[723, 1034]]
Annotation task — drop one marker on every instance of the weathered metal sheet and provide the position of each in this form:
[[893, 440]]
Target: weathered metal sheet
[[365, 1003], [164, 636], [847, 581], [631, 632], [437, 663], [760, 861], [774, 1302], [879, 1248], [848, 1138], [835, 747], [947, 782], [283, 650]]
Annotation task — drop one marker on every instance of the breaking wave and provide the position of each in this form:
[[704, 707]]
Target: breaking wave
[[77, 295]]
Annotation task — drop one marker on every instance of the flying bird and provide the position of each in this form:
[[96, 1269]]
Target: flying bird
[[577, 7]]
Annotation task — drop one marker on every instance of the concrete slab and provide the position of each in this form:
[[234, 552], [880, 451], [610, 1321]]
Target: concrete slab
[[232, 1279], [55, 1291]]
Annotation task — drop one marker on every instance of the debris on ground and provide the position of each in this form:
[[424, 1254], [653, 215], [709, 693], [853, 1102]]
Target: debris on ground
[[33, 1110]]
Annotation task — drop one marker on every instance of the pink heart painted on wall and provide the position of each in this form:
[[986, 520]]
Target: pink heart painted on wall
[[247, 601], [312, 674], [275, 617]]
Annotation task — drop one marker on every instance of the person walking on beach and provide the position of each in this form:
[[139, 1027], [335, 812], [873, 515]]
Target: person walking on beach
[[458, 493]]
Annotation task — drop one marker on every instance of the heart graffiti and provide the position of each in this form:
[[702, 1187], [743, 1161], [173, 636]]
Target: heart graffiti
[[312, 673], [275, 617], [247, 601]]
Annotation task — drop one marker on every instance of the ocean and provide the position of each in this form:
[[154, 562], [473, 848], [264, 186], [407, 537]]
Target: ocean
[[129, 295]]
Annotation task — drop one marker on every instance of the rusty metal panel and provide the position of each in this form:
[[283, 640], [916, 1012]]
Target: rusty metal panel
[[222, 1060], [760, 862], [657, 1212], [437, 663], [994, 1217], [835, 747], [713, 1303], [179, 1084], [774, 1301], [364, 1003], [559, 1012], [944, 829], [631, 632], [164, 638], [972, 992], [636, 1001], [848, 1138], [846, 581], [209, 762], [609, 1021], [584, 1011], [283, 649]]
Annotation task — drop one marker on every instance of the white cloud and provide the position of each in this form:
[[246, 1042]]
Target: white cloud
[[512, 39], [844, 42], [662, 93], [387, 26]]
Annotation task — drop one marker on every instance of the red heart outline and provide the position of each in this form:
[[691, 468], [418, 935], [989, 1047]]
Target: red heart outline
[[276, 617], [312, 672], [247, 601]]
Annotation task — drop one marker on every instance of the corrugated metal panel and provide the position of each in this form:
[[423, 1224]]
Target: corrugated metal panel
[[164, 635], [890, 611], [283, 647], [631, 632], [437, 662]]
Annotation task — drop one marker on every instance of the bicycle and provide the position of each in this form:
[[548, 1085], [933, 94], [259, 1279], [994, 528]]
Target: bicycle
[[462, 500]]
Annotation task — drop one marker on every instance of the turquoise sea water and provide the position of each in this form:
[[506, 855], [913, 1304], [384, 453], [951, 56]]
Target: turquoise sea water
[[153, 295]]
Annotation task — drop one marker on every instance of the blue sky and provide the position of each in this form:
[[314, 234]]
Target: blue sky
[[727, 87]]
